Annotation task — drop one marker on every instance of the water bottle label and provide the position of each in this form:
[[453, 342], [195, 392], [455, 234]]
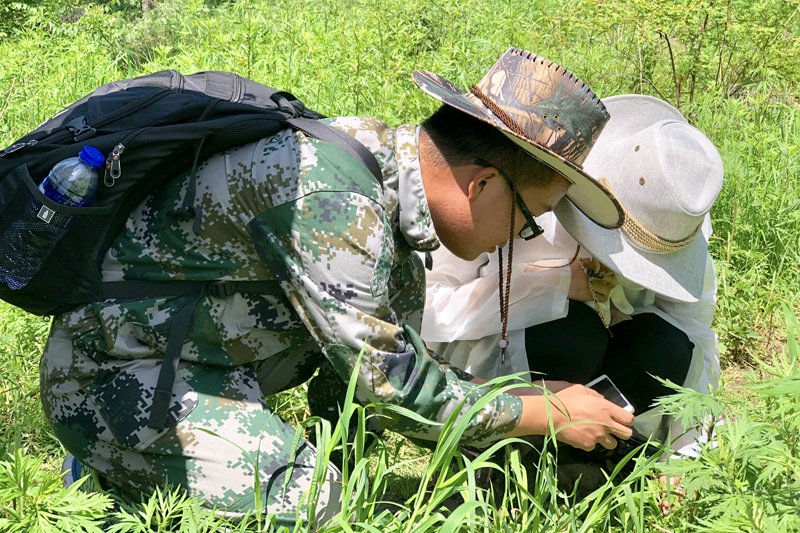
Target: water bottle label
[[57, 196], [46, 214]]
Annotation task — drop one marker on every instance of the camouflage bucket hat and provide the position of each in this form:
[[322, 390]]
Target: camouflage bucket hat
[[545, 110]]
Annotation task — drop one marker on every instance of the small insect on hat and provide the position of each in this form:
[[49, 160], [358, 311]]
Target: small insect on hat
[[548, 112]]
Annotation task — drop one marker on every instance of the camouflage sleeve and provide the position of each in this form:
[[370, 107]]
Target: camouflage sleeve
[[407, 299], [332, 250], [461, 374]]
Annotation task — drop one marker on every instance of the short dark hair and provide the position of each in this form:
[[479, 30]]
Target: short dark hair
[[461, 138]]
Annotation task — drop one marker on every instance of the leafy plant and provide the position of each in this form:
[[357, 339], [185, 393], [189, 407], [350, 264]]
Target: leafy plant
[[33, 500], [748, 478], [681, 49], [729, 65]]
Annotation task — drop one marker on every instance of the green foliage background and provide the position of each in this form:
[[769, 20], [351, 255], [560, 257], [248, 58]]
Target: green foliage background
[[730, 65]]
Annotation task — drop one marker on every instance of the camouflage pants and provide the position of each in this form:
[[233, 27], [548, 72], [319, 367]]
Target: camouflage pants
[[221, 429]]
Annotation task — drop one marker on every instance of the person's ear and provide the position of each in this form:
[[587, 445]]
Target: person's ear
[[480, 179]]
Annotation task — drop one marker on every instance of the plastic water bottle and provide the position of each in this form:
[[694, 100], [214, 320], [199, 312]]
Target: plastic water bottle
[[37, 229], [73, 181]]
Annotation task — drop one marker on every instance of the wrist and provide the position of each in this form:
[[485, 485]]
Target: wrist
[[533, 420]]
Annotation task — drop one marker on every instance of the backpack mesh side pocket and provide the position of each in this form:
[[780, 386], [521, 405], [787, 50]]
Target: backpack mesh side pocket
[[31, 228]]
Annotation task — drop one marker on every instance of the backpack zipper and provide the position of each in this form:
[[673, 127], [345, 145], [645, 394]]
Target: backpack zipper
[[18, 146], [59, 136], [132, 107], [113, 166]]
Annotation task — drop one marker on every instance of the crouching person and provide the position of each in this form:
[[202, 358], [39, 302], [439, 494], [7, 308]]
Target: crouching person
[[634, 303], [331, 251]]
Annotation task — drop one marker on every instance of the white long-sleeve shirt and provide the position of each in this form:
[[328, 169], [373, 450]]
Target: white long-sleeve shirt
[[462, 311]]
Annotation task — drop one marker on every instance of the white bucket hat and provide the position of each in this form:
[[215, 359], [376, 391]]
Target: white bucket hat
[[666, 175]]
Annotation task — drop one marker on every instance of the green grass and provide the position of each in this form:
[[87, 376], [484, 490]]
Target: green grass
[[729, 65], [21, 337]]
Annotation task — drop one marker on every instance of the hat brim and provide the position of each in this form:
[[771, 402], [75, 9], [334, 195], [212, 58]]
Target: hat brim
[[678, 275], [589, 195]]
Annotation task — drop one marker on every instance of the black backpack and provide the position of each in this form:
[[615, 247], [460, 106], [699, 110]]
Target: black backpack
[[151, 128], [162, 124]]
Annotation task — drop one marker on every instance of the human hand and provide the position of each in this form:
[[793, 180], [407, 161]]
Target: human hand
[[578, 284], [536, 388], [583, 418], [590, 271]]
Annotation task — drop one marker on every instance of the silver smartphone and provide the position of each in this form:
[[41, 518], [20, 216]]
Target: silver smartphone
[[610, 392]]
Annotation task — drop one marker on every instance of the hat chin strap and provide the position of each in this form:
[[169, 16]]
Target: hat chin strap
[[646, 240]]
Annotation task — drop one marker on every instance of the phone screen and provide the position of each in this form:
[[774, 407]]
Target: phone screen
[[610, 392]]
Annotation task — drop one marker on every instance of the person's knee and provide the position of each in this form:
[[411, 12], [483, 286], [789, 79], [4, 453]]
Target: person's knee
[[662, 349], [572, 348], [327, 503], [642, 348]]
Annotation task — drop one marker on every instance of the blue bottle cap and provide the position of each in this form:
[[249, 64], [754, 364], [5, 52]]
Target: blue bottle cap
[[92, 156]]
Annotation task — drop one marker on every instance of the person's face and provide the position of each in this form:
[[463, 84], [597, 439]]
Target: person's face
[[479, 220]]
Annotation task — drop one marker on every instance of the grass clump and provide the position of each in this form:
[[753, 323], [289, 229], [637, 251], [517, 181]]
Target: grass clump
[[748, 480], [35, 500], [729, 66]]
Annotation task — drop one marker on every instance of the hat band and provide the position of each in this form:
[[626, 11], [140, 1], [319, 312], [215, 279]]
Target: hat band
[[504, 117], [644, 238]]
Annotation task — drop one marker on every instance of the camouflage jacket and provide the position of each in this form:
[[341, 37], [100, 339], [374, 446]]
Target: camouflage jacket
[[308, 216]]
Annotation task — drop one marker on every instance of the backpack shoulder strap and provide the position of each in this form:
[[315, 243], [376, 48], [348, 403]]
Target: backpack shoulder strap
[[310, 126], [181, 321], [330, 134]]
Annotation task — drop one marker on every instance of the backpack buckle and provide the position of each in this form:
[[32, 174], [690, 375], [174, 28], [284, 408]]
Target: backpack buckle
[[287, 103], [81, 129], [221, 289]]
